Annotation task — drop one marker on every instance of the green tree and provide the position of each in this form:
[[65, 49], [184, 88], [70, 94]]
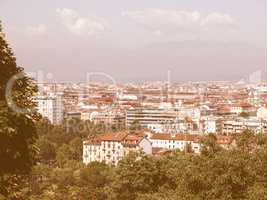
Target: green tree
[[257, 192], [209, 145], [76, 146], [95, 177], [47, 150], [64, 154], [246, 141], [136, 174], [17, 129], [135, 126]]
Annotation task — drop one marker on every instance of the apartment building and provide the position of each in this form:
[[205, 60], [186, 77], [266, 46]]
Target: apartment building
[[108, 117], [51, 107], [149, 116], [112, 147], [238, 125], [182, 125], [183, 141], [175, 141], [208, 124]]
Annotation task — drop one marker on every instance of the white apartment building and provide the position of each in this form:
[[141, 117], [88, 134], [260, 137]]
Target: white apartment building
[[148, 117], [45, 107], [107, 117], [166, 127], [241, 107], [262, 113], [112, 147], [126, 97], [208, 125], [51, 107], [236, 109], [192, 112], [238, 125], [176, 126], [175, 141], [180, 141]]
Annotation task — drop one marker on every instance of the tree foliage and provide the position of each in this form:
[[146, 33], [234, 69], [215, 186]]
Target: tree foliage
[[216, 173], [17, 129]]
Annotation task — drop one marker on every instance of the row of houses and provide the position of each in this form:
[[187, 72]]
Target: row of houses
[[112, 147]]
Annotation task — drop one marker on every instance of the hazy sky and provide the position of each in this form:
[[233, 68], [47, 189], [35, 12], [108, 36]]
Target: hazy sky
[[138, 39]]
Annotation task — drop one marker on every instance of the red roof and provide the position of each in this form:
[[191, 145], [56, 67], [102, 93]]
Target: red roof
[[132, 140], [124, 137], [112, 136]]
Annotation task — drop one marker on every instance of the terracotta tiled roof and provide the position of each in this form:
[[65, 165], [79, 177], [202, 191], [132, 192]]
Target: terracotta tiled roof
[[132, 140], [123, 137], [113, 136]]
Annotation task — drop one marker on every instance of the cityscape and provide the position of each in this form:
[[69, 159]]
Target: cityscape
[[133, 100], [169, 116]]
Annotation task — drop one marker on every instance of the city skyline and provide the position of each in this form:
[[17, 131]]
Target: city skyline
[[136, 100]]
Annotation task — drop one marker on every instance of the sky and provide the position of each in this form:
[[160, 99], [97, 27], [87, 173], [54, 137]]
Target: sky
[[138, 40]]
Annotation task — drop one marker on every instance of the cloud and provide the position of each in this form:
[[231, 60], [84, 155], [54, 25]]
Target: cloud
[[81, 25], [40, 29], [159, 21], [218, 19], [173, 21]]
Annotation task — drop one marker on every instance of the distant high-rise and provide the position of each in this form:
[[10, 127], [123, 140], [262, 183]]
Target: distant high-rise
[[51, 107]]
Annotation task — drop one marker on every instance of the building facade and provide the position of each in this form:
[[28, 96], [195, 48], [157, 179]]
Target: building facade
[[147, 117], [238, 125], [176, 141], [111, 148], [51, 107]]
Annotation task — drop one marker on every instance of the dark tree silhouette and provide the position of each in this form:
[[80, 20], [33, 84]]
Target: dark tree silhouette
[[17, 129]]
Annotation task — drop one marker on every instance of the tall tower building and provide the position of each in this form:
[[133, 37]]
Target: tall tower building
[[51, 107]]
